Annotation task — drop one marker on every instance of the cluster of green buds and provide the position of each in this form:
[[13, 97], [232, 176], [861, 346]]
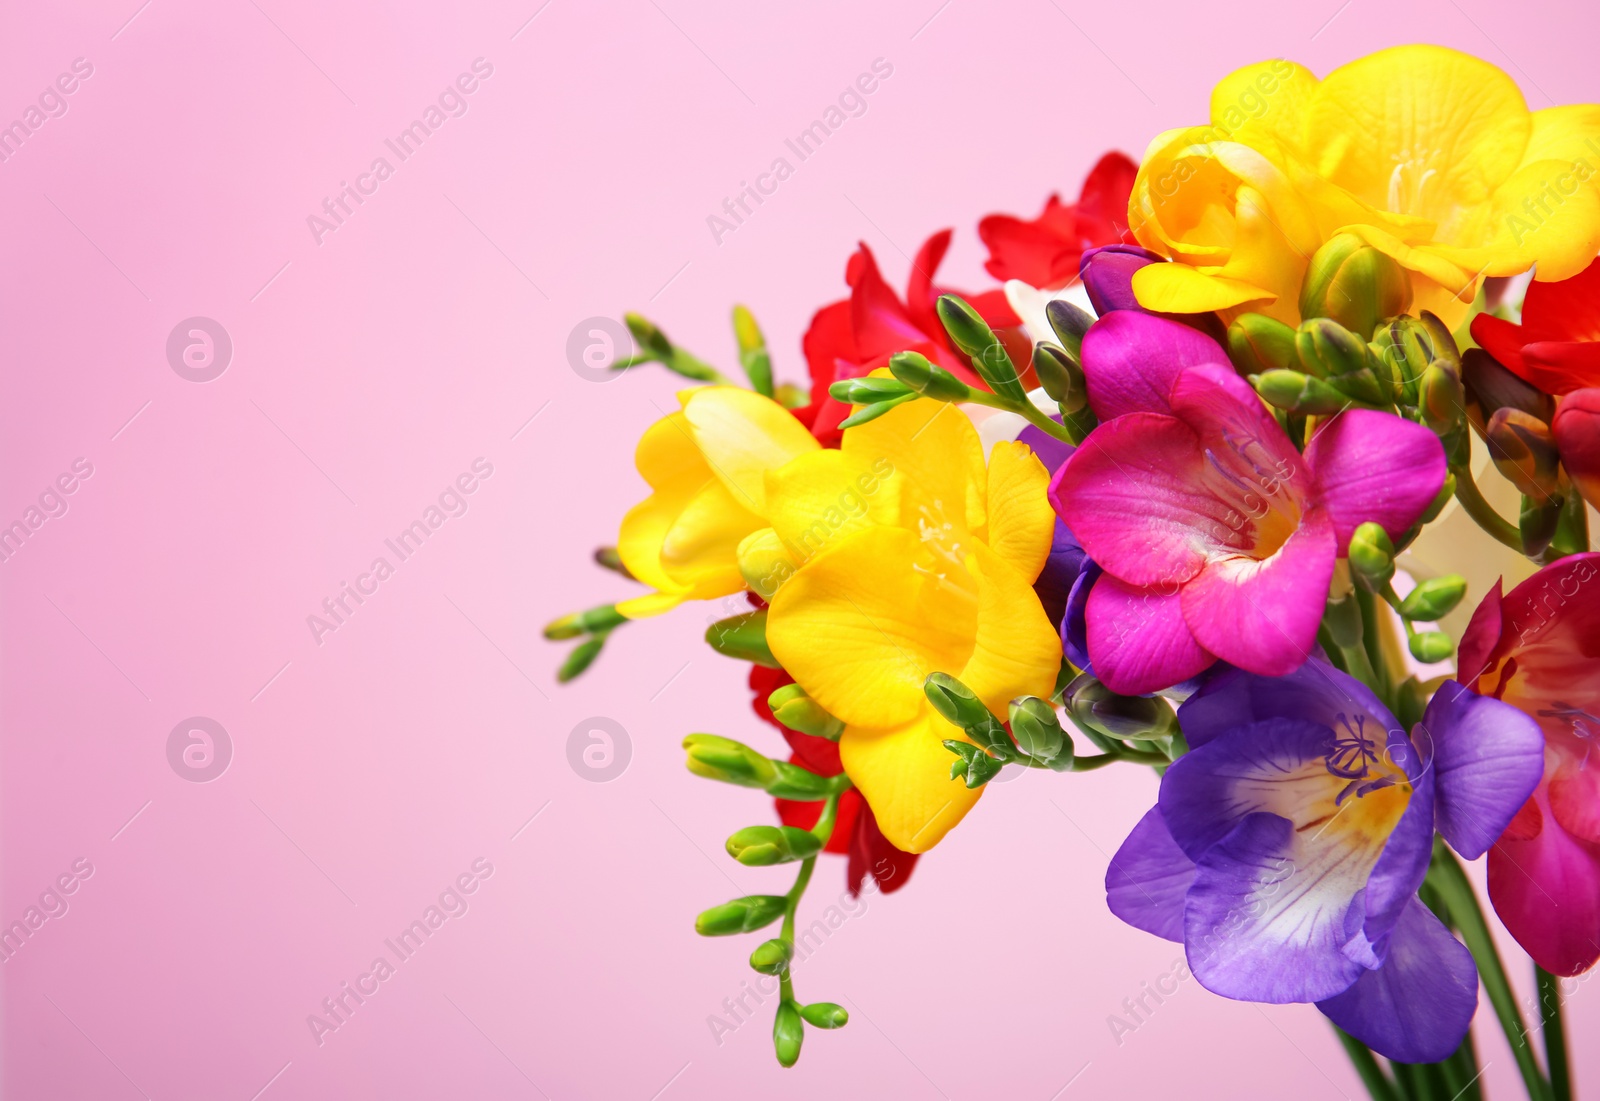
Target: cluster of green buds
[[653, 346], [1037, 738], [1057, 366], [1371, 557], [593, 626], [762, 846]]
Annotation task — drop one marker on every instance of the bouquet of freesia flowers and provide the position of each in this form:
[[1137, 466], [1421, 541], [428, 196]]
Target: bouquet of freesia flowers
[[1004, 531]]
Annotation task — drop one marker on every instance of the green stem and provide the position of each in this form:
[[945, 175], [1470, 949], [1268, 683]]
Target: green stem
[[1555, 1034], [1372, 1076], [823, 831], [1448, 878], [1045, 424], [1371, 638], [1483, 513], [1135, 756]]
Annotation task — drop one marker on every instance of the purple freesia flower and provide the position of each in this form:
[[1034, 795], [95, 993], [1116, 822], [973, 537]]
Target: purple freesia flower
[[1063, 585], [1288, 844], [1107, 274], [1217, 538]]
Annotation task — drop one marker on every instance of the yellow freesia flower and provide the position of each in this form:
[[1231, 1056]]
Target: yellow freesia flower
[[930, 570], [1429, 155], [707, 465]]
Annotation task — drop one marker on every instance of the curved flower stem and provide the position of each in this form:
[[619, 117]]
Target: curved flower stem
[[1134, 756], [1372, 1076], [823, 830], [1555, 1034], [1483, 512], [1450, 881]]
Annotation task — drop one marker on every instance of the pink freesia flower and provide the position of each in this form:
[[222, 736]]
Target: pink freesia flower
[[1538, 648], [1218, 539]]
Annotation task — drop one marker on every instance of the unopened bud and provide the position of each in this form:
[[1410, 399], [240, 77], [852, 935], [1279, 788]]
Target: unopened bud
[[759, 846], [1294, 392], [798, 784], [581, 657], [865, 391], [650, 339], [1489, 387], [742, 915], [961, 707], [1434, 598], [971, 333], [824, 1015], [1576, 431], [1038, 734], [1069, 323], [1327, 348], [792, 707], [610, 559], [593, 621], [743, 638], [1061, 377], [1440, 398], [772, 957], [1137, 717], [753, 354], [1524, 451], [874, 410], [788, 1032], [1371, 555], [765, 562], [1537, 524], [927, 378], [1431, 646], [1258, 343], [1354, 284], [718, 758]]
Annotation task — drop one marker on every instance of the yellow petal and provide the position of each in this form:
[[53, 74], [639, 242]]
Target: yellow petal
[[1419, 130], [904, 774], [1550, 211], [1178, 288], [1264, 104], [863, 623], [825, 495], [1016, 651], [1021, 522], [643, 607], [935, 461], [765, 563], [742, 436], [700, 549]]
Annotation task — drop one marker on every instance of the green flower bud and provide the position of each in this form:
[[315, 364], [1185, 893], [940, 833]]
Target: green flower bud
[[930, 380], [1354, 284], [743, 638], [772, 957], [799, 784], [1411, 702], [961, 707], [1294, 392], [1524, 452], [1142, 718], [1343, 618], [787, 1034], [824, 1015], [972, 765], [1038, 732], [1431, 646], [718, 758], [759, 846], [1371, 555], [1442, 340], [1538, 523], [1434, 599], [581, 657], [1440, 499], [1441, 398], [1364, 386], [593, 621], [794, 709], [650, 339], [865, 391], [874, 410], [608, 558], [742, 915], [1258, 343], [972, 335], [1061, 377], [1069, 323], [753, 354], [1327, 348], [1489, 387]]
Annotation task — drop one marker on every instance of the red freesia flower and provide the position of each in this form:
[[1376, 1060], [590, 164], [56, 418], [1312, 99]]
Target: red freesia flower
[[857, 335], [856, 832], [1557, 346], [1044, 253], [1576, 428], [1538, 649]]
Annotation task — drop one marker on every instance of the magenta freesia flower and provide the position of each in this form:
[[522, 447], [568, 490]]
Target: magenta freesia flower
[[1538, 648], [1218, 539], [1287, 846]]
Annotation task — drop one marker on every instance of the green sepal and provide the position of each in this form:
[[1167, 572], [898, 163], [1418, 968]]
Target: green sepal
[[972, 765]]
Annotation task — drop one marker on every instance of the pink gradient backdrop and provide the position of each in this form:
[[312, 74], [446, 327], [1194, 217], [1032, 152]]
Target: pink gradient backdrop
[[424, 732]]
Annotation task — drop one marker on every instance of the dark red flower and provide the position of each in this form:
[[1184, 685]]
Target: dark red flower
[[856, 831], [1557, 346], [855, 336], [1044, 253]]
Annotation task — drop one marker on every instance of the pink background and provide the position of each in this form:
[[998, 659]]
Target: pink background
[[372, 769]]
